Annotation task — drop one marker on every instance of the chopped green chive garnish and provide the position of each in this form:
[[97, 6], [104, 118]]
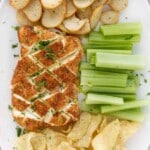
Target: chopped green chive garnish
[[10, 107], [19, 131], [14, 45], [16, 55], [16, 28]]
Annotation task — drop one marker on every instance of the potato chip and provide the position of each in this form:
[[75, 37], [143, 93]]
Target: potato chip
[[38, 142], [106, 139], [22, 142], [86, 139], [65, 146], [80, 127], [127, 129], [53, 138]]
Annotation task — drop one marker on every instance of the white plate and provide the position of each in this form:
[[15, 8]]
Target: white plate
[[138, 10]]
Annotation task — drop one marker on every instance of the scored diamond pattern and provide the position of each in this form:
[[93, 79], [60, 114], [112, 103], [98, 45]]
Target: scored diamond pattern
[[44, 92]]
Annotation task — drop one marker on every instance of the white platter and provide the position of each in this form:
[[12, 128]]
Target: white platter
[[138, 10]]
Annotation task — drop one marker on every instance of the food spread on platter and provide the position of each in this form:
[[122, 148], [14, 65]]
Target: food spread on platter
[[71, 16], [52, 71]]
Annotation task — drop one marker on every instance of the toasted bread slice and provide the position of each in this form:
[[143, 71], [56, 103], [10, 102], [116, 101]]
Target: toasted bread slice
[[95, 17], [22, 19], [19, 4], [53, 17], [81, 4], [51, 4], [118, 5], [97, 3], [85, 13], [110, 17], [85, 29], [73, 23], [71, 9], [33, 10]]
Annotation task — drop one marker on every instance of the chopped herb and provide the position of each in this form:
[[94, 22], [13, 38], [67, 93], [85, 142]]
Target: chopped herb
[[49, 54], [52, 111], [35, 74], [50, 138], [148, 93], [16, 28], [41, 45], [33, 107], [41, 128], [145, 80], [141, 74], [69, 101], [10, 107], [16, 55], [39, 96], [22, 113], [14, 45], [41, 84], [19, 131], [129, 37]]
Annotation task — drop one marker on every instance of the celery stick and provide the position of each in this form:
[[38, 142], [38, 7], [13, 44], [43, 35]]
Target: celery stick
[[110, 46], [88, 66], [122, 29], [119, 61], [124, 96], [90, 108], [133, 115], [126, 105], [91, 52], [91, 77], [99, 37], [131, 88], [95, 98], [99, 74]]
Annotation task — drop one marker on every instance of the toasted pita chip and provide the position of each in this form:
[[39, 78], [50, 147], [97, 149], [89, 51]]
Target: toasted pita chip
[[85, 29], [71, 9], [33, 10], [106, 139], [95, 17], [63, 28], [81, 4], [118, 5], [19, 4], [110, 17], [73, 24], [85, 13], [97, 3], [51, 4], [80, 127], [53, 17], [22, 19]]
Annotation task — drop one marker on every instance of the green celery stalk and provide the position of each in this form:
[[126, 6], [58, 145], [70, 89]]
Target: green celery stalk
[[119, 61], [95, 98], [121, 29], [133, 115], [131, 88], [90, 52], [110, 46], [99, 37], [100, 78], [95, 109], [124, 96], [126, 105], [88, 66]]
